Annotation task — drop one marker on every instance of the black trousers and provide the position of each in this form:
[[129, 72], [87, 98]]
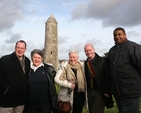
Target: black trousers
[[38, 108], [78, 102], [128, 105]]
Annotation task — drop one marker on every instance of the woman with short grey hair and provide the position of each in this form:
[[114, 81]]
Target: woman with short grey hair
[[71, 79], [36, 51], [42, 96], [74, 51]]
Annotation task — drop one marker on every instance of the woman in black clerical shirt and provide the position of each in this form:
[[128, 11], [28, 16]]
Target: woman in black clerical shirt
[[41, 92]]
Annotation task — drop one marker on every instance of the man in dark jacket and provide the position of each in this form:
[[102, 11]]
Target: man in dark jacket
[[14, 69], [98, 81], [125, 63]]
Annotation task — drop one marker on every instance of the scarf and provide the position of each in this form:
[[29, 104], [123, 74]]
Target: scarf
[[22, 63], [69, 75]]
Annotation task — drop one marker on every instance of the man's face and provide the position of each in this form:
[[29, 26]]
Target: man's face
[[119, 36], [89, 51], [20, 49]]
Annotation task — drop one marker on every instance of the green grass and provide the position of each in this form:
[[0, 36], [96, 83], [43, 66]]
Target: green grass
[[110, 110]]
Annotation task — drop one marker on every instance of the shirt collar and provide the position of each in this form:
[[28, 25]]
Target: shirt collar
[[36, 67]]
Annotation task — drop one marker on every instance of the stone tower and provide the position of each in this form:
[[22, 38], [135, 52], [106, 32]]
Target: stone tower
[[51, 42]]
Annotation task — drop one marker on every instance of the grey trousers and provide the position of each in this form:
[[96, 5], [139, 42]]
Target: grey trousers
[[18, 109], [95, 102]]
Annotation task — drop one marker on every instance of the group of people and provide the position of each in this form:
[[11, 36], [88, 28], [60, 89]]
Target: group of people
[[30, 86]]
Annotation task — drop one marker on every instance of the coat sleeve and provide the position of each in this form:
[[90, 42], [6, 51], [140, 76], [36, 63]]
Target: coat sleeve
[[50, 70], [3, 82], [107, 77], [61, 72], [135, 57]]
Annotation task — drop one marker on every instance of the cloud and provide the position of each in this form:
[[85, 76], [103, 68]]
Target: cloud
[[79, 47], [10, 12], [6, 49], [9, 44], [63, 50], [13, 38], [133, 34], [84, 35], [111, 13], [62, 40], [94, 42]]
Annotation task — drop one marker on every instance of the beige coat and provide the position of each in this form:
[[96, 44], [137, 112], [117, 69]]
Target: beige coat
[[65, 84]]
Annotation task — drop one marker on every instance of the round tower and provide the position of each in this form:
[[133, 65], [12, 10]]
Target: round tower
[[51, 42]]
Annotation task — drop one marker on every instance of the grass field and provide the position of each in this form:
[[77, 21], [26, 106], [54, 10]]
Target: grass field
[[111, 110]]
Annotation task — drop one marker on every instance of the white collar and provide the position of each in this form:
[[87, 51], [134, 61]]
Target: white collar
[[36, 67]]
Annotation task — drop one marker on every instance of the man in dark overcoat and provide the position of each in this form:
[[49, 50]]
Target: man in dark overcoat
[[98, 81], [14, 69]]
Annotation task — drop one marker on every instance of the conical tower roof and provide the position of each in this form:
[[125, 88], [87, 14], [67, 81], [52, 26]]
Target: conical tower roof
[[51, 19]]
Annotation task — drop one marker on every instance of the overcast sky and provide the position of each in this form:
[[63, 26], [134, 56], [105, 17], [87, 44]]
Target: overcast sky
[[79, 22]]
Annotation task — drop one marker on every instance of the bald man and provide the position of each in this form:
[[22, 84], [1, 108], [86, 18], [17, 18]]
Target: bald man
[[98, 79]]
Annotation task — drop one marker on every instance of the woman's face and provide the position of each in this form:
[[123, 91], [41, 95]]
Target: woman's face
[[36, 59], [73, 58]]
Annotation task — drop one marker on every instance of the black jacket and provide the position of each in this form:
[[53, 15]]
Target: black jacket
[[102, 72], [53, 94], [12, 81], [125, 63]]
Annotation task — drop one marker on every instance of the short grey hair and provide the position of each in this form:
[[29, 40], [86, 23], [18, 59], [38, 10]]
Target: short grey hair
[[37, 51], [74, 51]]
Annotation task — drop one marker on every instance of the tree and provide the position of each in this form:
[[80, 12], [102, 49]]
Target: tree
[[106, 54]]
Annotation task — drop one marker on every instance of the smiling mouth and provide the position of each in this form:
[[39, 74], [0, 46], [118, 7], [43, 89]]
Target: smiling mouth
[[117, 40]]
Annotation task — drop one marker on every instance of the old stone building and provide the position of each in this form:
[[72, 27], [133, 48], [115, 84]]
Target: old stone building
[[51, 42]]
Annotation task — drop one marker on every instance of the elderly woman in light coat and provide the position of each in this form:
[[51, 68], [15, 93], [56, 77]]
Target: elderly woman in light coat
[[72, 82]]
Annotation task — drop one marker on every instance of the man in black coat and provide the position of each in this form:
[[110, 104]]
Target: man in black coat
[[125, 65], [98, 81], [14, 69]]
